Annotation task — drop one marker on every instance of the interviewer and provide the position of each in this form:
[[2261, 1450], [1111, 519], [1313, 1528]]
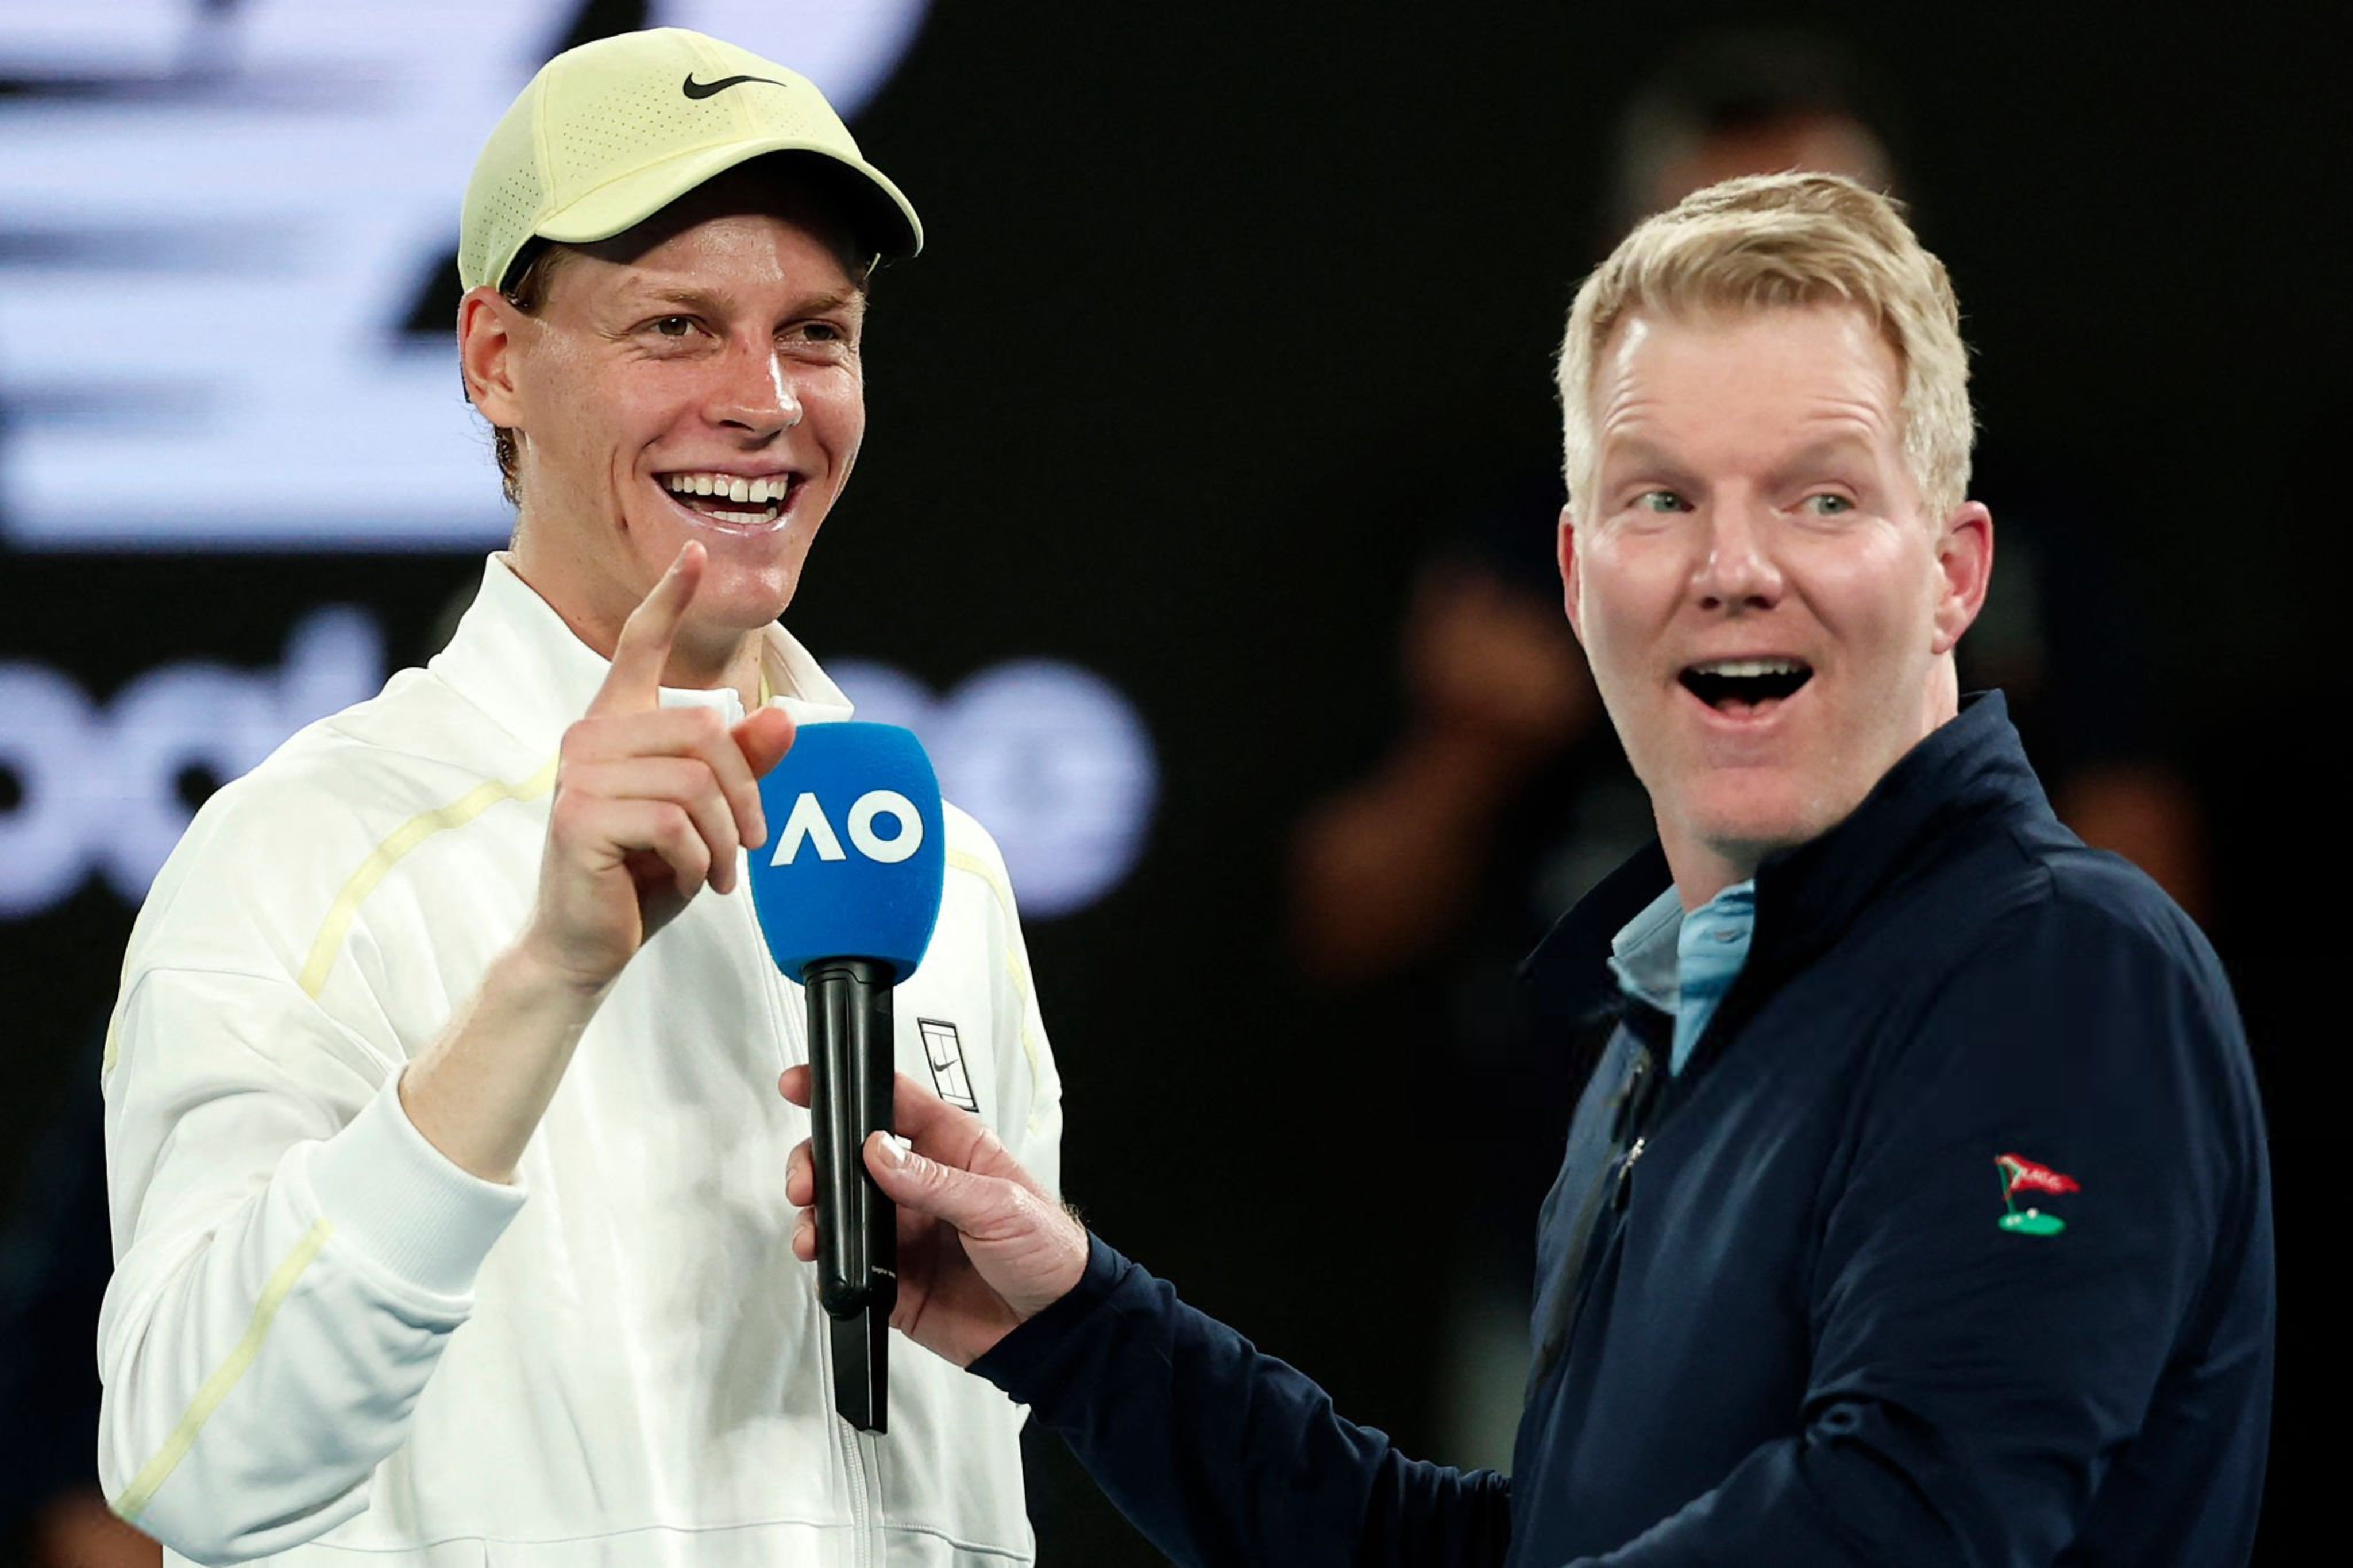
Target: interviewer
[[1917, 1211]]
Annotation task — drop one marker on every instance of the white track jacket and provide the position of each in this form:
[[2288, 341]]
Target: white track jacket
[[326, 1344]]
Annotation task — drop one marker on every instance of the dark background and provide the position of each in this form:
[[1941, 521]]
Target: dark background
[[1223, 303]]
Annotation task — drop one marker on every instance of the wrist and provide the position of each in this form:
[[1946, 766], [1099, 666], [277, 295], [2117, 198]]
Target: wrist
[[478, 1091], [536, 978], [1027, 1360]]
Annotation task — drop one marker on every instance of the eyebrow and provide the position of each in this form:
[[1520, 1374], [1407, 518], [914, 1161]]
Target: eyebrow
[[710, 302], [1644, 455], [1648, 456], [1824, 453]]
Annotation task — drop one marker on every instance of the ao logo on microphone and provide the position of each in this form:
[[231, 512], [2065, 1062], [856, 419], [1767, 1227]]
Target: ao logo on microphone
[[808, 825]]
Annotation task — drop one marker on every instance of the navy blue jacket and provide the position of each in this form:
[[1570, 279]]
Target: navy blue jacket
[[1951, 1244]]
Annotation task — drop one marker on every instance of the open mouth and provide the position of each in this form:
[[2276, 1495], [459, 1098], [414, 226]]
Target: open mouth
[[1746, 687], [733, 499]]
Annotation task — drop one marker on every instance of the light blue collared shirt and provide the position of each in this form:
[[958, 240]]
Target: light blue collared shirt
[[1683, 965]]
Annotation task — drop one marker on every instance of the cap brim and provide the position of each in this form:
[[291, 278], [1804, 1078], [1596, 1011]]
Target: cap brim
[[884, 218]]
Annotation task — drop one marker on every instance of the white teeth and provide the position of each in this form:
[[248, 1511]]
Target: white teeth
[[762, 491], [1750, 667], [728, 486]]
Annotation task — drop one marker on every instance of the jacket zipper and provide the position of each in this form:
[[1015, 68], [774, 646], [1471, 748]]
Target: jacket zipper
[[862, 1529], [866, 1448], [864, 1532], [1631, 1116], [1617, 1187], [1625, 1192]]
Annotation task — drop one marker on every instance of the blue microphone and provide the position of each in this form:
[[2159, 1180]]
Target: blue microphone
[[848, 890]]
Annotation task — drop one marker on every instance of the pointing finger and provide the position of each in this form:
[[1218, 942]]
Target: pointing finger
[[634, 683]]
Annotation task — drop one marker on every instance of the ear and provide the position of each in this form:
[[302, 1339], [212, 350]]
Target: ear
[[1565, 546], [1964, 568], [488, 326]]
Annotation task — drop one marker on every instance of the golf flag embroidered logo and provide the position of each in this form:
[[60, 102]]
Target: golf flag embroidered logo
[[2020, 1174]]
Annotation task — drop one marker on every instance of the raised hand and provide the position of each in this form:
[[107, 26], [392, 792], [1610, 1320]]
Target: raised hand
[[983, 1247], [650, 803]]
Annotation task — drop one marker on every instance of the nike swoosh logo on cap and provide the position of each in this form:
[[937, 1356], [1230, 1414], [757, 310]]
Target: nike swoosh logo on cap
[[694, 89]]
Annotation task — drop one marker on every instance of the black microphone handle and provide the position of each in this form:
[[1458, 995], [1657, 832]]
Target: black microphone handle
[[851, 1057]]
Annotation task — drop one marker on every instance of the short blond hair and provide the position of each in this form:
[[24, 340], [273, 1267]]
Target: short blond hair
[[1773, 241]]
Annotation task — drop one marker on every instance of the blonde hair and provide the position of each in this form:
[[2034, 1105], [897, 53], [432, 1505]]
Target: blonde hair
[[1772, 240]]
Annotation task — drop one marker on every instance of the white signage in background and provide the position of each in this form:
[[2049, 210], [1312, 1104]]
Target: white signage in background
[[99, 788], [1050, 758], [214, 220]]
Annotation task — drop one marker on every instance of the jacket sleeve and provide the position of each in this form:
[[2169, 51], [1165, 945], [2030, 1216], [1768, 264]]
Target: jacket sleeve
[[291, 1256], [1221, 1455], [1972, 1384]]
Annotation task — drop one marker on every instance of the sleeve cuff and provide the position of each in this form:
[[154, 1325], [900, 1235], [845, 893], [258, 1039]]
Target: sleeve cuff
[[402, 1204], [1025, 1362]]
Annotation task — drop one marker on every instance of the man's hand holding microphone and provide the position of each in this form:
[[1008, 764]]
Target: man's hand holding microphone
[[983, 1247]]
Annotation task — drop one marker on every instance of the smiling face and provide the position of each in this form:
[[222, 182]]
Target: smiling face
[[696, 378], [1768, 610]]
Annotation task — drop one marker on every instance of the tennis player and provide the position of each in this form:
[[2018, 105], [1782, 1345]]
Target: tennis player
[[448, 1190]]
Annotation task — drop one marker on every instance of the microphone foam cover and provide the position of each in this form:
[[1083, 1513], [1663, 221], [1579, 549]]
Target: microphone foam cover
[[857, 849]]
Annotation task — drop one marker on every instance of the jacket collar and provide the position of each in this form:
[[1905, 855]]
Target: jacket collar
[[515, 659], [1968, 770]]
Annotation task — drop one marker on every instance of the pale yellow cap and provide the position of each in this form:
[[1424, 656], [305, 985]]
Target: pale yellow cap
[[611, 132]]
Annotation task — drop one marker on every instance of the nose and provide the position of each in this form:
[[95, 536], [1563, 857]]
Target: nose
[[751, 391], [1737, 570]]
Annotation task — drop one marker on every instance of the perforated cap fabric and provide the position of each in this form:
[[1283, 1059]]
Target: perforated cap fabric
[[611, 132]]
